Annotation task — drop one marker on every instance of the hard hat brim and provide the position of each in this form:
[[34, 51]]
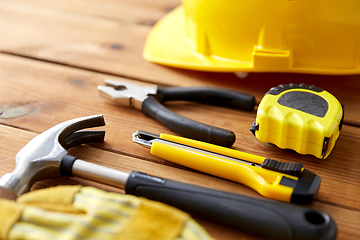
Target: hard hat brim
[[167, 45]]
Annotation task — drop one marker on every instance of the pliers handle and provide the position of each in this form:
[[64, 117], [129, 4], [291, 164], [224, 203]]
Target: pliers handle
[[150, 100]]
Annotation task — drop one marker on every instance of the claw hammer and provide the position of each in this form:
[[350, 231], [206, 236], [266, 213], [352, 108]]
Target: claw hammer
[[46, 156]]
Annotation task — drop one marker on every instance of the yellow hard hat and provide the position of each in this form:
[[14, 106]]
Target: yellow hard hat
[[304, 36]]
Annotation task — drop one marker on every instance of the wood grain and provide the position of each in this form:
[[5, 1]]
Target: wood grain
[[134, 11], [51, 94], [113, 47], [54, 54], [347, 226]]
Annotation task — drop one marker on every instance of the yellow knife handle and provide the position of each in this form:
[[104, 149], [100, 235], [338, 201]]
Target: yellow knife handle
[[265, 182], [214, 148]]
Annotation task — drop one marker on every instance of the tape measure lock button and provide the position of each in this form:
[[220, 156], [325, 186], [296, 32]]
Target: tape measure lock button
[[301, 117]]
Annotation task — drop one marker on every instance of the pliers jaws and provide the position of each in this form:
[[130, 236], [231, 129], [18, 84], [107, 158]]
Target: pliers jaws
[[126, 93]]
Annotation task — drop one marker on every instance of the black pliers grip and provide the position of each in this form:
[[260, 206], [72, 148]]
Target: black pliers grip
[[193, 129], [150, 100]]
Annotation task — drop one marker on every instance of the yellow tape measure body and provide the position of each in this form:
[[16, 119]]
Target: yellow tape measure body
[[304, 118]]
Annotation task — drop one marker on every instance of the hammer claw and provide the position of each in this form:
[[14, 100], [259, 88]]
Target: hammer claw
[[82, 137], [71, 136]]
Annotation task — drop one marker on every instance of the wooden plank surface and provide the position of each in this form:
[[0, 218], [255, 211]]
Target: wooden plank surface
[[54, 54], [135, 11], [43, 101], [348, 225], [115, 47]]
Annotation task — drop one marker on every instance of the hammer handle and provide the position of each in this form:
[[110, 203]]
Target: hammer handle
[[268, 218], [271, 219]]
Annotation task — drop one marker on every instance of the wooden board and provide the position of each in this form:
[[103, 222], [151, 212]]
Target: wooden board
[[48, 95], [348, 226], [134, 11], [108, 45], [54, 54]]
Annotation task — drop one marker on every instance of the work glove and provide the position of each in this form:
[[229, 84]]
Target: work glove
[[76, 212]]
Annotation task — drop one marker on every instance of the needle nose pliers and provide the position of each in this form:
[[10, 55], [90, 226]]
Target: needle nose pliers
[[149, 99]]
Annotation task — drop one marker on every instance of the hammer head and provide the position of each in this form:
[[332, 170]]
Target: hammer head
[[41, 157]]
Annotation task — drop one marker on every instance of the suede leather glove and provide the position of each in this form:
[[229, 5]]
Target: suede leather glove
[[76, 212]]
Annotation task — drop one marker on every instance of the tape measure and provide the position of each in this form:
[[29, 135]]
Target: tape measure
[[304, 118]]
